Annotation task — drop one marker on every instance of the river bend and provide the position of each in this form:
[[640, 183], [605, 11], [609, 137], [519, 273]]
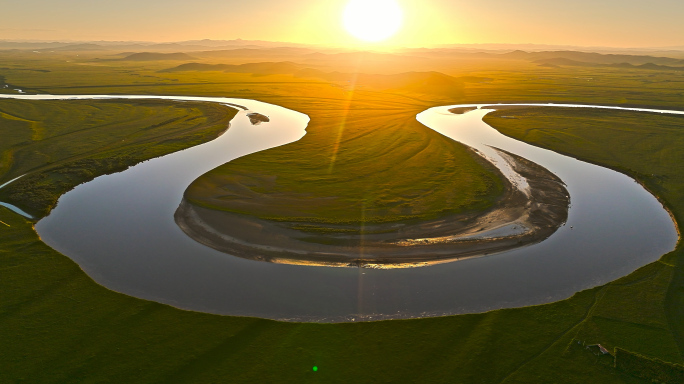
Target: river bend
[[120, 229]]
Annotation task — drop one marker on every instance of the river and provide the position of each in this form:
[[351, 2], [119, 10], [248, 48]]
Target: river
[[120, 229]]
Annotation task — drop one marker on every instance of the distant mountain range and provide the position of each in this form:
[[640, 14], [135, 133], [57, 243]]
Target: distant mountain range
[[208, 44], [234, 53], [153, 56], [189, 46], [592, 57], [556, 47], [559, 62], [258, 68]]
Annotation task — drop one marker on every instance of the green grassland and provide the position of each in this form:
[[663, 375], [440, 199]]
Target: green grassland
[[59, 326], [650, 148], [490, 81], [363, 159], [60, 144]]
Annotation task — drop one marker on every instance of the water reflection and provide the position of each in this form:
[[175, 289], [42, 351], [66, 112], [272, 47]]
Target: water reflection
[[120, 229]]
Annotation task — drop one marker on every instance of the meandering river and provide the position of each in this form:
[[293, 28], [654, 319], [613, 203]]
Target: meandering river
[[120, 229]]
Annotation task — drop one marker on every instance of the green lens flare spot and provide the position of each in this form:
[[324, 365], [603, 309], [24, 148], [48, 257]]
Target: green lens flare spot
[[315, 368]]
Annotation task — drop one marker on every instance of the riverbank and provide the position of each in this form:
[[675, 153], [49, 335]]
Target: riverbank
[[45, 165], [519, 218], [142, 239]]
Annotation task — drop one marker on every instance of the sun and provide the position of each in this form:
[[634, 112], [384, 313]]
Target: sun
[[373, 20]]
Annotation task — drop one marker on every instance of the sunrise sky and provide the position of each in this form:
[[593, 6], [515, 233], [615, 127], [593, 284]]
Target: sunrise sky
[[616, 23]]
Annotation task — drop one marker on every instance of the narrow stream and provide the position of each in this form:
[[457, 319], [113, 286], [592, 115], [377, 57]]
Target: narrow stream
[[120, 229]]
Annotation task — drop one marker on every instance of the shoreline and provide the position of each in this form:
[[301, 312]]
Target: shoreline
[[662, 202], [505, 272], [518, 219]]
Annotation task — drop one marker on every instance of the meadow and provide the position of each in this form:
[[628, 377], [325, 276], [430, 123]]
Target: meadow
[[58, 145], [59, 326], [363, 159]]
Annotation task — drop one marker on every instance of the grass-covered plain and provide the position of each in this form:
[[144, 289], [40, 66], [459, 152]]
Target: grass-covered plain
[[362, 159], [58, 326], [60, 144], [650, 148]]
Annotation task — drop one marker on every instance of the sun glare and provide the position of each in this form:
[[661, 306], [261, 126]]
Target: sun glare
[[372, 20]]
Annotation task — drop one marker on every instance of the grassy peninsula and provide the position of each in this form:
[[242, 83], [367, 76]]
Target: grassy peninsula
[[364, 158], [60, 144]]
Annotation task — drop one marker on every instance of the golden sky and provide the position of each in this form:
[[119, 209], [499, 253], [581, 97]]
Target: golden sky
[[625, 23]]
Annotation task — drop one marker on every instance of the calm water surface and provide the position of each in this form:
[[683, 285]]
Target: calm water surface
[[120, 229]]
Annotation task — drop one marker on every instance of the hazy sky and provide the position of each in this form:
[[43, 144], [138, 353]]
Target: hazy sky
[[618, 23]]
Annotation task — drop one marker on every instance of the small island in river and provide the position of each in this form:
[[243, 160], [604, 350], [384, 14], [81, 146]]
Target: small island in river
[[461, 110], [257, 118]]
